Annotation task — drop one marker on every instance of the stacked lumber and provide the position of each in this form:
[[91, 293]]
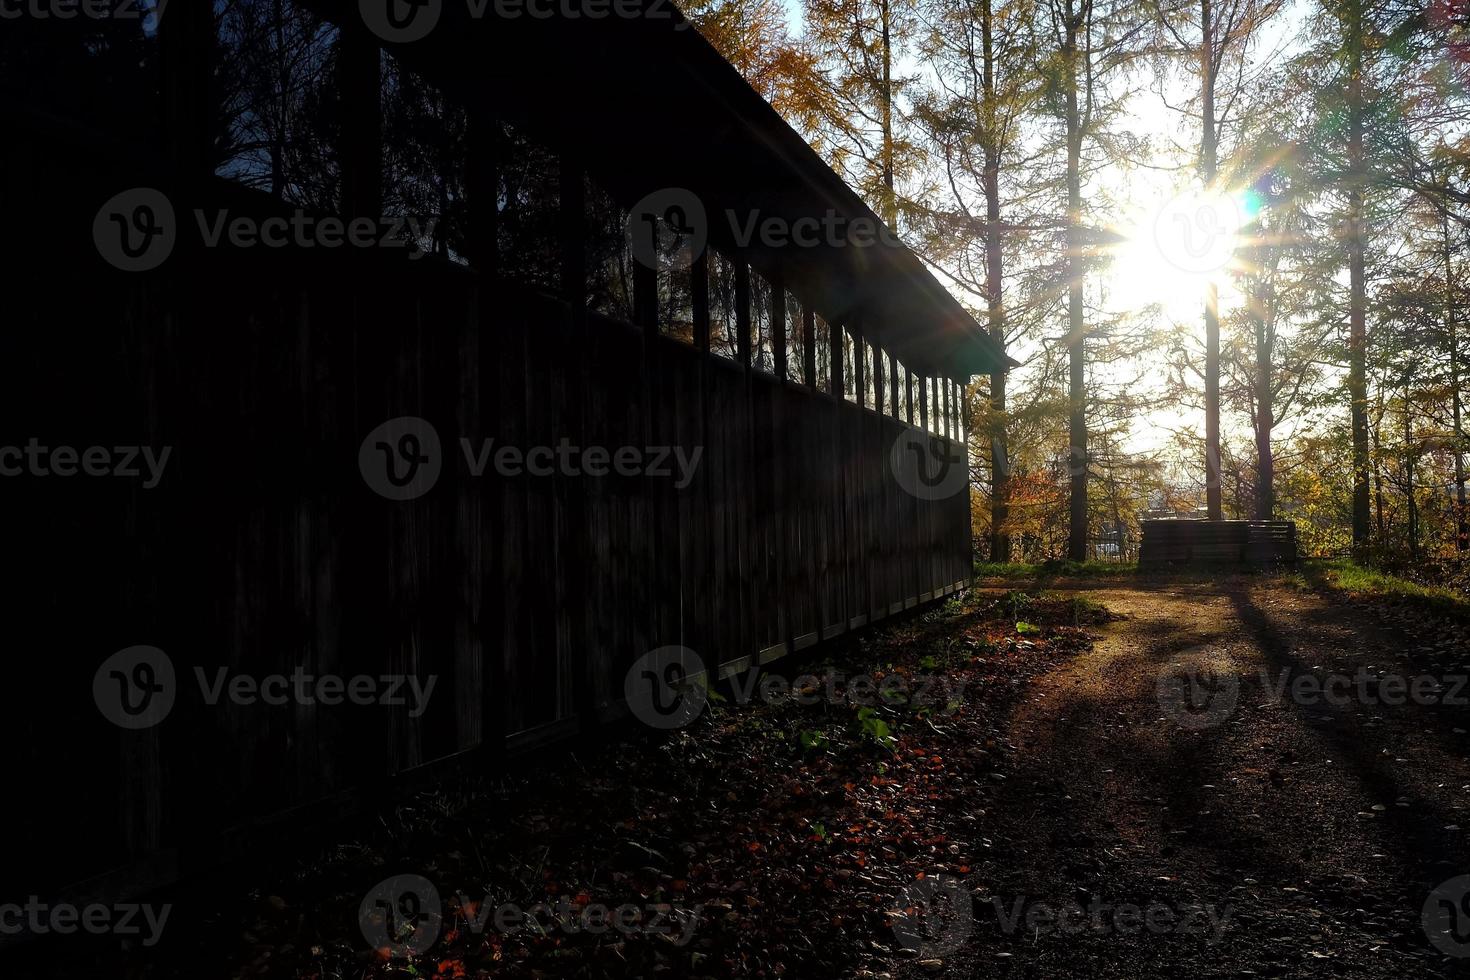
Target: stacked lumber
[[1184, 542]]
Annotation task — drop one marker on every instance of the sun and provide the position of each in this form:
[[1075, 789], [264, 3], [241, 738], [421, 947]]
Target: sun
[[1173, 247]]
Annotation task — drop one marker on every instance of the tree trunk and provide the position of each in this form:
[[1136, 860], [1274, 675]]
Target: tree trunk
[[1208, 165], [1265, 408], [1000, 539], [890, 202], [1357, 312], [280, 93], [1412, 532], [1378, 472], [1076, 328], [1462, 516]]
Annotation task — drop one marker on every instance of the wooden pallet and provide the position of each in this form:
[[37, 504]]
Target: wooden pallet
[[1255, 543]]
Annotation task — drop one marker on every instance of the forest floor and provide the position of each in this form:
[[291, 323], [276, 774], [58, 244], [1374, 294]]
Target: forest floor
[[1237, 760], [1114, 777]]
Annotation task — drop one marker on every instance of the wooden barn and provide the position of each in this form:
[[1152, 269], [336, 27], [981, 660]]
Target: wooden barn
[[173, 297]]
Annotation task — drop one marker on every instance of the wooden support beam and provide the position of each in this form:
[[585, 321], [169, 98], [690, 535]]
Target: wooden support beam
[[645, 298], [699, 295], [778, 326], [834, 373], [877, 379], [742, 312], [482, 185], [895, 377], [186, 44], [809, 347], [945, 416], [964, 410], [908, 394], [361, 151], [572, 232]]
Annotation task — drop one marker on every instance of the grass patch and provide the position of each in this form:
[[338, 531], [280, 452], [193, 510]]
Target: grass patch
[[1015, 571], [1027, 608], [1343, 576]]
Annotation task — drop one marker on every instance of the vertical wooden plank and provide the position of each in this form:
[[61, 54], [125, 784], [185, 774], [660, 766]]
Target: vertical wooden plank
[[944, 393], [878, 392], [578, 660], [369, 365], [809, 344], [360, 81], [164, 784], [969, 569], [699, 288], [778, 325], [859, 486], [697, 516], [742, 312], [186, 44], [895, 377], [780, 580], [878, 484], [645, 300], [835, 611], [742, 483], [482, 185], [925, 534], [482, 192]]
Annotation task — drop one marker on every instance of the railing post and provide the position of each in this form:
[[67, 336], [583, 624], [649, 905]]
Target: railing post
[[742, 312], [877, 379], [778, 325], [360, 90], [809, 347], [186, 44], [699, 296]]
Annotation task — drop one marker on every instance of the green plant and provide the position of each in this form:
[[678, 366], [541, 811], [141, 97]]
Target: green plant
[[812, 740], [875, 729], [1342, 575]]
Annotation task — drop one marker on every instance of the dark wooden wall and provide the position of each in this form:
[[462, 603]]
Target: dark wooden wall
[[262, 549]]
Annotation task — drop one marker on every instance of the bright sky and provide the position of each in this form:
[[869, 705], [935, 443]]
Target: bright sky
[[1178, 239]]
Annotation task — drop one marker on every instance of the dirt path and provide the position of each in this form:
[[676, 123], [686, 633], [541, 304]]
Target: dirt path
[[1217, 824]]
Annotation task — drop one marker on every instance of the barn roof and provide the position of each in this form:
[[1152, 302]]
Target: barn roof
[[649, 104]]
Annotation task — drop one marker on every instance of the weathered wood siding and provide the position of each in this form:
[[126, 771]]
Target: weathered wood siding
[[262, 549]]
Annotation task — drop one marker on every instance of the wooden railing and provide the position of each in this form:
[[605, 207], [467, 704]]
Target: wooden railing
[[262, 550]]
